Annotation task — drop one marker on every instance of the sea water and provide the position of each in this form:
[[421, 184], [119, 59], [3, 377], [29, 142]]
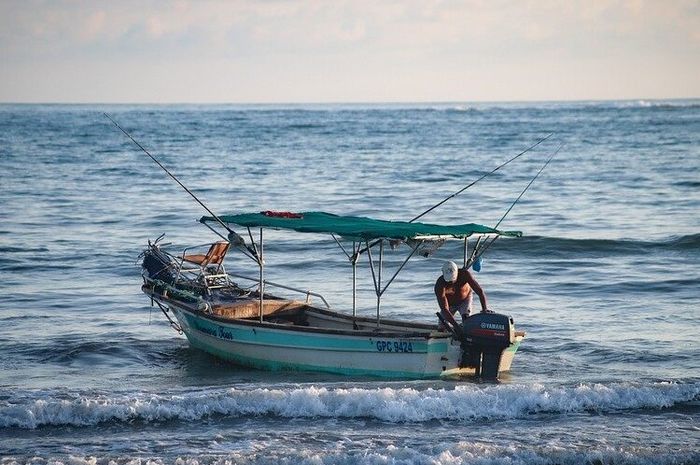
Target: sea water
[[605, 281]]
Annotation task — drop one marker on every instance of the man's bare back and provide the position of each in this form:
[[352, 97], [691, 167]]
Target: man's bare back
[[454, 293]]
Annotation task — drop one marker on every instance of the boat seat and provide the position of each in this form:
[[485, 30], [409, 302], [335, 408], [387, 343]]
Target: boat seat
[[209, 266], [215, 255]]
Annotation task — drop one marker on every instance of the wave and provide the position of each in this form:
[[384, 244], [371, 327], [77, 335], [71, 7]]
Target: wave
[[24, 250], [641, 104], [632, 352], [587, 106], [459, 109], [71, 349], [667, 104], [691, 241], [463, 452], [692, 184], [463, 403], [536, 245], [299, 126]]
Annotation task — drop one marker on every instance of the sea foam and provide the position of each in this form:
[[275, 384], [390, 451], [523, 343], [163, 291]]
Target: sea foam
[[463, 403], [462, 453]]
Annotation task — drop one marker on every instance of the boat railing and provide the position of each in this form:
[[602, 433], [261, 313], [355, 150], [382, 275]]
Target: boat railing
[[307, 292]]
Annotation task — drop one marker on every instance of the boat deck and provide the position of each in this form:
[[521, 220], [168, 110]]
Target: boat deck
[[298, 313], [230, 304]]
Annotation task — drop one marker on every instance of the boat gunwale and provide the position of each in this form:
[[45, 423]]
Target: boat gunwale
[[297, 328]]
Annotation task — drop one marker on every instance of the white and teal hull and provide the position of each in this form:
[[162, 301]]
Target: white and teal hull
[[396, 350], [264, 346]]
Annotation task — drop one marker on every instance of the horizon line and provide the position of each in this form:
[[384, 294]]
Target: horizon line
[[358, 102]]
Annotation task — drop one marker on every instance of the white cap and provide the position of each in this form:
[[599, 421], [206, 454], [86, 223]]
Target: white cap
[[450, 271]]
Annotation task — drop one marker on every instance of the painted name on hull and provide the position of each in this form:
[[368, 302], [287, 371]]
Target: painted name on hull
[[394, 346], [220, 331]]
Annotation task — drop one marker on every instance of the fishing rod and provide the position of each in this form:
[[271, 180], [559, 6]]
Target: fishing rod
[[451, 196], [469, 185], [476, 254], [233, 236]]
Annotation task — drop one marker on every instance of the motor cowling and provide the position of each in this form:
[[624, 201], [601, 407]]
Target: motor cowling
[[485, 337]]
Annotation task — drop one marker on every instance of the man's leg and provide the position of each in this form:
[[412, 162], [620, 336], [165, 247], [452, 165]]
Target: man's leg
[[465, 308]]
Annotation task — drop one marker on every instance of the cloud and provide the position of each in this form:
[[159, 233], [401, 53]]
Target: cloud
[[318, 23], [409, 45], [94, 25]]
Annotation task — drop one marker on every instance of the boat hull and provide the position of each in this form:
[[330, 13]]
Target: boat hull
[[276, 347], [279, 347]]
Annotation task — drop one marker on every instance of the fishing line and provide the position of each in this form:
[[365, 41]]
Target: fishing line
[[169, 173], [486, 246], [233, 237], [468, 186], [482, 177]]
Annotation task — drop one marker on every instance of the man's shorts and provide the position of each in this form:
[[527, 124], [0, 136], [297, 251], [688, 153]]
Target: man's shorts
[[464, 307]]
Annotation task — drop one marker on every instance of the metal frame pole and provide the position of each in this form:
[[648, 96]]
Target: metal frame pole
[[379, 279], [413, 251], [261, 262], [353, 260], [465, 252], [377, 290]]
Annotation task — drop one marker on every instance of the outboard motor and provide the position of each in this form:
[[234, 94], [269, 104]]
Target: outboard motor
[[485, 337]]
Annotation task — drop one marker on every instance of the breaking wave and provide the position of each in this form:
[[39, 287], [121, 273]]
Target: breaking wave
[[463, 453], [463, 403]]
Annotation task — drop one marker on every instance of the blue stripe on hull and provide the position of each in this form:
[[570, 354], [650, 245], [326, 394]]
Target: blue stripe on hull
[[210, 336], [277, 365], [213, 336], [307, 340]]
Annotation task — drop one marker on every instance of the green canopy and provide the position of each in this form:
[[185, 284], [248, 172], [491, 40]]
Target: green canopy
[[355, 227]]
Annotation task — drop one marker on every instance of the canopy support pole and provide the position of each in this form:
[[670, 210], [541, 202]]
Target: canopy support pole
[[252, 241], [415, 249], [341, 245], [474, 251], [261, 262], [353, 261], [465, 252], [379, 280], [376, 277]]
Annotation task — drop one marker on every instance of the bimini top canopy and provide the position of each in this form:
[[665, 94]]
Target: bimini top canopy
[[355, 227]]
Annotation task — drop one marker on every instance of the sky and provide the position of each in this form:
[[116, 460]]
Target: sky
[[312, 51]]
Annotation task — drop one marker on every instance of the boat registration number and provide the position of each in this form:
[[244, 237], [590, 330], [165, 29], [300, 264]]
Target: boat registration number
[[394, 346]]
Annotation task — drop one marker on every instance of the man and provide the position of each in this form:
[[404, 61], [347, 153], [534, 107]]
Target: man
[[454, 291]]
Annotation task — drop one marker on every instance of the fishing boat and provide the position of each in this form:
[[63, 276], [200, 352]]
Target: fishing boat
[[255, 328]]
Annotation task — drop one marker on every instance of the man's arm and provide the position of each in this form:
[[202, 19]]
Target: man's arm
[[441, 297], [444, 304], [479, 291]]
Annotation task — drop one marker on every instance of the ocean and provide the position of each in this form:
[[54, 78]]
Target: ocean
[[605, 281]]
